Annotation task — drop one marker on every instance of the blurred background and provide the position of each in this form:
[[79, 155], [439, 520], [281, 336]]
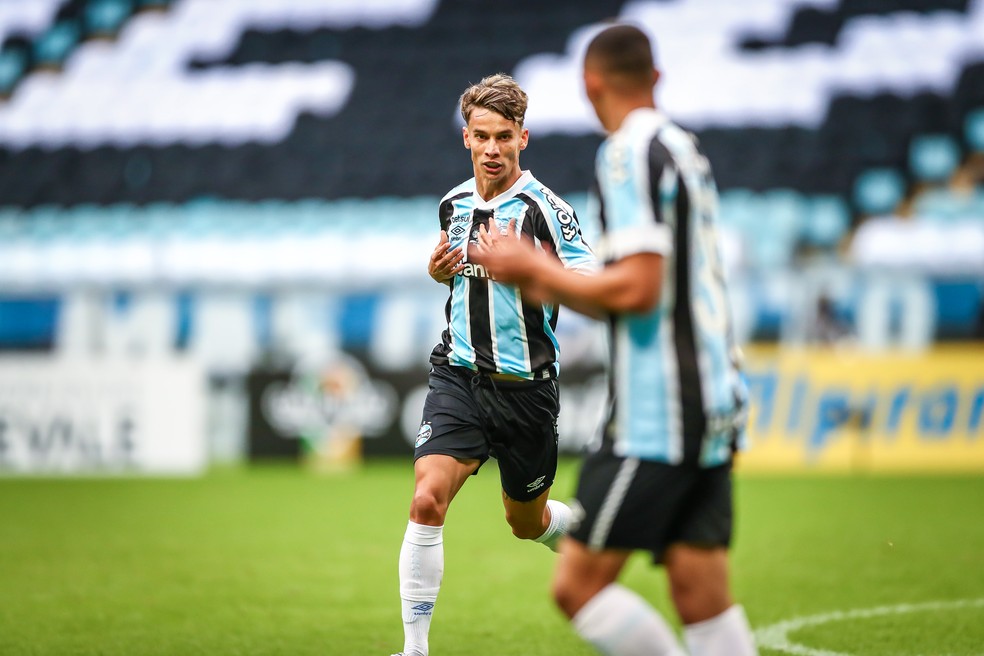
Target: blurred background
[[215, 217]]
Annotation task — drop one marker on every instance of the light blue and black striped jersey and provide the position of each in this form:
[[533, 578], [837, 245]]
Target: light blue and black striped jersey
[[677, 392], [490, 327]]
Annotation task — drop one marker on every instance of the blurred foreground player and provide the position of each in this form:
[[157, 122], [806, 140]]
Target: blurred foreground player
[[661, 481], [493, 388]]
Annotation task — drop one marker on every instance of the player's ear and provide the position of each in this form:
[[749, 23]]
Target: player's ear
[[592, 84], [464, 137], [524, 139]]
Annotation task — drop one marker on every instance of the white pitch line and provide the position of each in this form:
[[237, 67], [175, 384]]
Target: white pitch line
[[776, 636]]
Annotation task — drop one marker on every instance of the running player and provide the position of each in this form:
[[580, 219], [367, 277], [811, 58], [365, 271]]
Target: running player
[[493, 388], [661, 480]]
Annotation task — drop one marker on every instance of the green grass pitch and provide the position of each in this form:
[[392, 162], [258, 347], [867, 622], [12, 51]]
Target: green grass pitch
[[276, 560]]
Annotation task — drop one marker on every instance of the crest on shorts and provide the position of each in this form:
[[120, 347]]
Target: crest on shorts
[[423, 434]]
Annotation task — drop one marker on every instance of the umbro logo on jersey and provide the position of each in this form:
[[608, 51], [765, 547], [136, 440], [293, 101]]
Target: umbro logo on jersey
[[535, 485], [457, 230]]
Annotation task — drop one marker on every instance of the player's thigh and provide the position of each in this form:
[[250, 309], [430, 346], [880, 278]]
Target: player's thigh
[[438, 478], [526, 517], [581, 573]]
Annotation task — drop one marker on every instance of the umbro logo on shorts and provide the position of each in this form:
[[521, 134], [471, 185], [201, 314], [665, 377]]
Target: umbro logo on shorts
[[535, 485]]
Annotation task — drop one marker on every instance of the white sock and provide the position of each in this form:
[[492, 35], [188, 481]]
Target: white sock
[[421, 569], [618, 622], [560, 523], [727, 634]]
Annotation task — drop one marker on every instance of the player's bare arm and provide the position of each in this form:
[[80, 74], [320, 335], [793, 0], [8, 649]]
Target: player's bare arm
[[630, 285], [445, 262]]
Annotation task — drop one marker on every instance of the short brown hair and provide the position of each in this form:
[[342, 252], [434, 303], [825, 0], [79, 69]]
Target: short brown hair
[[624, 52], [499, 93]]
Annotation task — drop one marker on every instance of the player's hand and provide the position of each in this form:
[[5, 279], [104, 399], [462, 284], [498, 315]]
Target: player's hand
[[508, 257], [445, 262], [511, 258]]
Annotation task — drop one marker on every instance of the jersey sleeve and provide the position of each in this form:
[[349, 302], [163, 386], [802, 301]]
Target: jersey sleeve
[[444, 211], [637, 185], [561, 229]]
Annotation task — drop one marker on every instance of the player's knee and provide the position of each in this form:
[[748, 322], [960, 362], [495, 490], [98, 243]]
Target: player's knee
[[697, 600], [568, 598], [428, 508], [698, 583], [525, 527]]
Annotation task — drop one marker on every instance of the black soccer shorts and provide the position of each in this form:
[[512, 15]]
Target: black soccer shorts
[[470, 416], [634, 504]]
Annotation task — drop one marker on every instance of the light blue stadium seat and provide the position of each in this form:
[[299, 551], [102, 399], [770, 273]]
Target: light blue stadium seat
[[787, 212], [829, 219], [158, 220], [937, 205], [12, 224], [770, 249], [44, 223], [741, 210], [933, 157], [52, 47], [12, 68], [974, 130], [106, 17], [978, 207], [878, 191]]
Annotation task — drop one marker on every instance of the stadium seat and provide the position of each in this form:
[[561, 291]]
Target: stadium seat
[[53, 47], [944, 206], [828, 220], [13, 65], [104, 18], [878, 191], [933, 158], [974, 130]]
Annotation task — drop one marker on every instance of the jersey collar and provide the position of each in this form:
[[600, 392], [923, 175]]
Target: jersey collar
[[495, 201], [642, 116]]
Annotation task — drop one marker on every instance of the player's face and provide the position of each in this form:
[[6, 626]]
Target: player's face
[[494, 142]]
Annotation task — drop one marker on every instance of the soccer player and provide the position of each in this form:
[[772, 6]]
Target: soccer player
[[493, 388], [661, 480]]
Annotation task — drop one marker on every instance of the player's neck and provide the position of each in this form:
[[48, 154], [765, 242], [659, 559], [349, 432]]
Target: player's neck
[[621, 107], [488, 190]]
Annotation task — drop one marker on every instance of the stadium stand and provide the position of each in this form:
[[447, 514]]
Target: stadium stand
[[265, 146], [794, 116]]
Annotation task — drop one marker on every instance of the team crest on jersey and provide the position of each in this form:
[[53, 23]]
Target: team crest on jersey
[[423, 434]]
